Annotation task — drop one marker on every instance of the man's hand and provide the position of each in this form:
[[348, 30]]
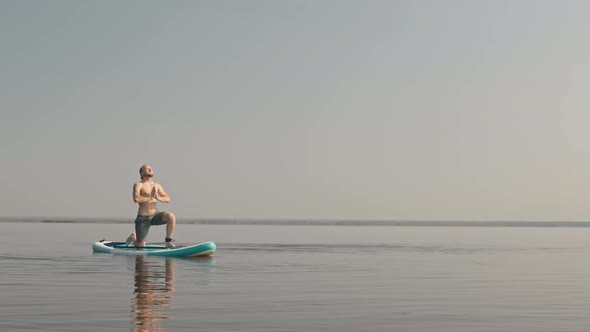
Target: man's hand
[[154, 192]]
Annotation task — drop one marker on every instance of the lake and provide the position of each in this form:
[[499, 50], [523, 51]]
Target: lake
[[298, 278]]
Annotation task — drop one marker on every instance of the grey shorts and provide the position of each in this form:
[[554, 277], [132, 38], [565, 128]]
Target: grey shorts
[[143, 223]]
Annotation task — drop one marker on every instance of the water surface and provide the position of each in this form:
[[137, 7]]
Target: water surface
[[298, 278]]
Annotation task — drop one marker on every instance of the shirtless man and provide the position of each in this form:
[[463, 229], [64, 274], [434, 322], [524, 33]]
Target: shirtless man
[[147, 193]]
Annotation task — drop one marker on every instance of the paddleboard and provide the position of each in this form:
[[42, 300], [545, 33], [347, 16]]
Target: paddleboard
[[159, 249]]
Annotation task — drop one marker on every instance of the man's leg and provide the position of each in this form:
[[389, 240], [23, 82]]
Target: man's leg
[[142, 227], [170, 220]]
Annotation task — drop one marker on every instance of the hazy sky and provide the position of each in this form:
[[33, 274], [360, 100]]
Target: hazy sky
[[450, 110]]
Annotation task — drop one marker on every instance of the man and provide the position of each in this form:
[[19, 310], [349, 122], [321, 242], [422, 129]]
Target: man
[[147, 193]]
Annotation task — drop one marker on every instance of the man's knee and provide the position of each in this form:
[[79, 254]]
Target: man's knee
[[169, 216]]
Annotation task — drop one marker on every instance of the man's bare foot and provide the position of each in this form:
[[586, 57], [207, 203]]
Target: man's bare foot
[[130, 239], [170, 243]]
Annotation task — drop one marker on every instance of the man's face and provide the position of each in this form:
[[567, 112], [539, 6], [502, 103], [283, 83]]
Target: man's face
[[147, 172]]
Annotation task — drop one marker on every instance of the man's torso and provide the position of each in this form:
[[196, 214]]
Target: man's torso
[[145, 190]]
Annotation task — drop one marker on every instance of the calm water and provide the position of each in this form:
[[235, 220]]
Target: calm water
[[299, 278]]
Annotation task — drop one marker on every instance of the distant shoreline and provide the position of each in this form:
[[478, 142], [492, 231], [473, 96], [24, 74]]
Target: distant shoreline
[[301, 222]]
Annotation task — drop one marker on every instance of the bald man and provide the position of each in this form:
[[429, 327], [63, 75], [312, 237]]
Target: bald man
[[147, 194]]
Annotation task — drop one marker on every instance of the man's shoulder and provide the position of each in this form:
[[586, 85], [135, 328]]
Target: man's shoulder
[[137, 184]]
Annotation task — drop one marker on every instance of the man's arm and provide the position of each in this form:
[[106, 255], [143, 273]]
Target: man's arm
[[137, 198], [161, 195]]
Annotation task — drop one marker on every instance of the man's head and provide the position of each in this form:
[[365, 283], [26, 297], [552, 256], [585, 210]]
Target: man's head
[[146, 172]]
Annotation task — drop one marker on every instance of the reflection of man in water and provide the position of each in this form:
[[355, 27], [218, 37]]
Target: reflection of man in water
[[153, 286]]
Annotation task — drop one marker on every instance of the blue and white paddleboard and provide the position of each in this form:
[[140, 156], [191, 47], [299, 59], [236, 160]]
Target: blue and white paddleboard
[[198, 250]]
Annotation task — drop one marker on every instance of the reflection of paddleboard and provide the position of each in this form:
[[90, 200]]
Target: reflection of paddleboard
[[196, 250]]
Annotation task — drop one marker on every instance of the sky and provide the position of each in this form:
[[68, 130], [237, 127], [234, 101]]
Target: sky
[[364, 110]]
